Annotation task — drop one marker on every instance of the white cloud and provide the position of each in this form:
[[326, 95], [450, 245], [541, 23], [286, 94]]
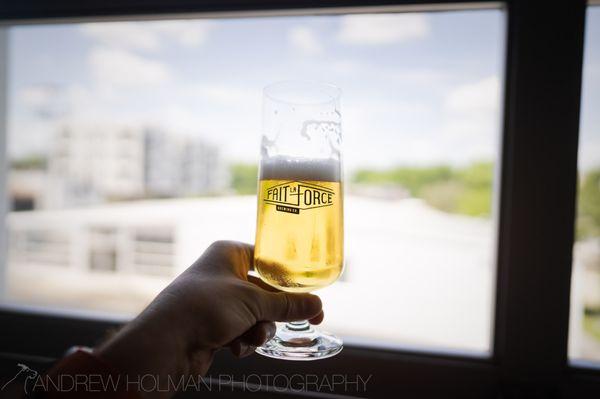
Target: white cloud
[[225, 94], [28, 136], [589, 153], [429, 79], [481, 96], [36, 95], [186, 33], [345, 66], [455, 126], [471, 120], [148, 36], [375, 29], [120, 68], [234, 128], [122, 34], [381, 132], [305, 40], [44, 100]]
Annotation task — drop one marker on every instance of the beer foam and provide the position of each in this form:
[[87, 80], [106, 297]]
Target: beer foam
[[288, 168]]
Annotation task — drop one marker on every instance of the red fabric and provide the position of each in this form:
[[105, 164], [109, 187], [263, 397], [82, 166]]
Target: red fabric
[[84, 375]]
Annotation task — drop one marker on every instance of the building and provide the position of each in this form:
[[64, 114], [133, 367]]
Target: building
[[423, 266], [177, 166], [26, 189], [91, 164], [95, 164], [116, 257]]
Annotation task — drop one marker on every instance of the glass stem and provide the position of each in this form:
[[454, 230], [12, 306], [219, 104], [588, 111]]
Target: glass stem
[[299, 326]]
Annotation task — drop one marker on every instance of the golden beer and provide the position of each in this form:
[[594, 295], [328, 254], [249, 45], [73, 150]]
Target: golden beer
[[299, 233]]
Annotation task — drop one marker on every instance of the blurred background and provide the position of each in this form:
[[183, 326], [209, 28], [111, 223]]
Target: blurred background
[[134, 145]]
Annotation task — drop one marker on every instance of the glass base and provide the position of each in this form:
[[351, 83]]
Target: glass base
[[300, 341]]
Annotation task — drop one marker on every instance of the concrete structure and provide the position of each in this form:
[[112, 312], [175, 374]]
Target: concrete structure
[[95, 164], [89, 164], [181, 166], [27, 189], [414, 275]]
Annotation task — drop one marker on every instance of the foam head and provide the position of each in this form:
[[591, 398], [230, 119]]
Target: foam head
[[289, 168]]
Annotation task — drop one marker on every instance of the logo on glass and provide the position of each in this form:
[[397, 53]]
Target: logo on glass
[[292, 196]]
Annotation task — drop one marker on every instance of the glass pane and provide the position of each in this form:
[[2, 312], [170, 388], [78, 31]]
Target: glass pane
[[126, 161], [584, 341]]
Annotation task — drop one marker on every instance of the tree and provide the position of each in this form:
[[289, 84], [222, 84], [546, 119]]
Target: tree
[[244, 178], [31, 162], [465, 190], [588, 207]]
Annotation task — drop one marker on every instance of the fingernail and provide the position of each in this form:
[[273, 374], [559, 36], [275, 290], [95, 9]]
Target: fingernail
[[271, 333], [314, 303], [243, 349], [249, 350]]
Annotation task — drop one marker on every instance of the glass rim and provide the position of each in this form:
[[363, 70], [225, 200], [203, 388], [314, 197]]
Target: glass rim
[[328, 92]]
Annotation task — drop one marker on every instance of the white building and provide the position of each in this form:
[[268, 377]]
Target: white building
[[93, 164], [413, 276], [27, 188], [88, 164], [181, 166], [432, 272]]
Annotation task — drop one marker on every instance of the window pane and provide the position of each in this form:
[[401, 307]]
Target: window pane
[[584, 342], [133, 145]]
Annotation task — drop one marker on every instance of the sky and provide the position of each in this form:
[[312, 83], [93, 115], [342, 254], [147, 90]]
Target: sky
[[418, 88], [589, 132]]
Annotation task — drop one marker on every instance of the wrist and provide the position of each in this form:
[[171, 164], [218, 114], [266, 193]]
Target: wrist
[[158, 342], [141, 348]]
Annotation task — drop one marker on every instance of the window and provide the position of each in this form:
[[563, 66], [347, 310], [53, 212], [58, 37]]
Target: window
[[534, 187], [584, 341], [182, 99], [102, 249]]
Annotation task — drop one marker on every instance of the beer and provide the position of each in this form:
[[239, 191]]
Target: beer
[[300, 232]]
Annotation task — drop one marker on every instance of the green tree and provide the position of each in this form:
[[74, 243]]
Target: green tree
[[244, 178], [413, 179], [476, 199], [465, 190], [443, 195], [588, 206], [30, 162], [477, 175], [416, 179], [475, 202]]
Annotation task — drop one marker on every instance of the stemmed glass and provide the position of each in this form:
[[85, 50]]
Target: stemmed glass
[[300, 226]]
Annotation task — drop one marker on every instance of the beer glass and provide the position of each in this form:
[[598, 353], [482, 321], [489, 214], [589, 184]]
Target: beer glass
[[300, 226]]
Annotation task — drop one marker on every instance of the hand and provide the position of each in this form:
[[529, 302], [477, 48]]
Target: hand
[[213, 304]]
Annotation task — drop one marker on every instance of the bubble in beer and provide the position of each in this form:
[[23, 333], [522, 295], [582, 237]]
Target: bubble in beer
[[288, 168]]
